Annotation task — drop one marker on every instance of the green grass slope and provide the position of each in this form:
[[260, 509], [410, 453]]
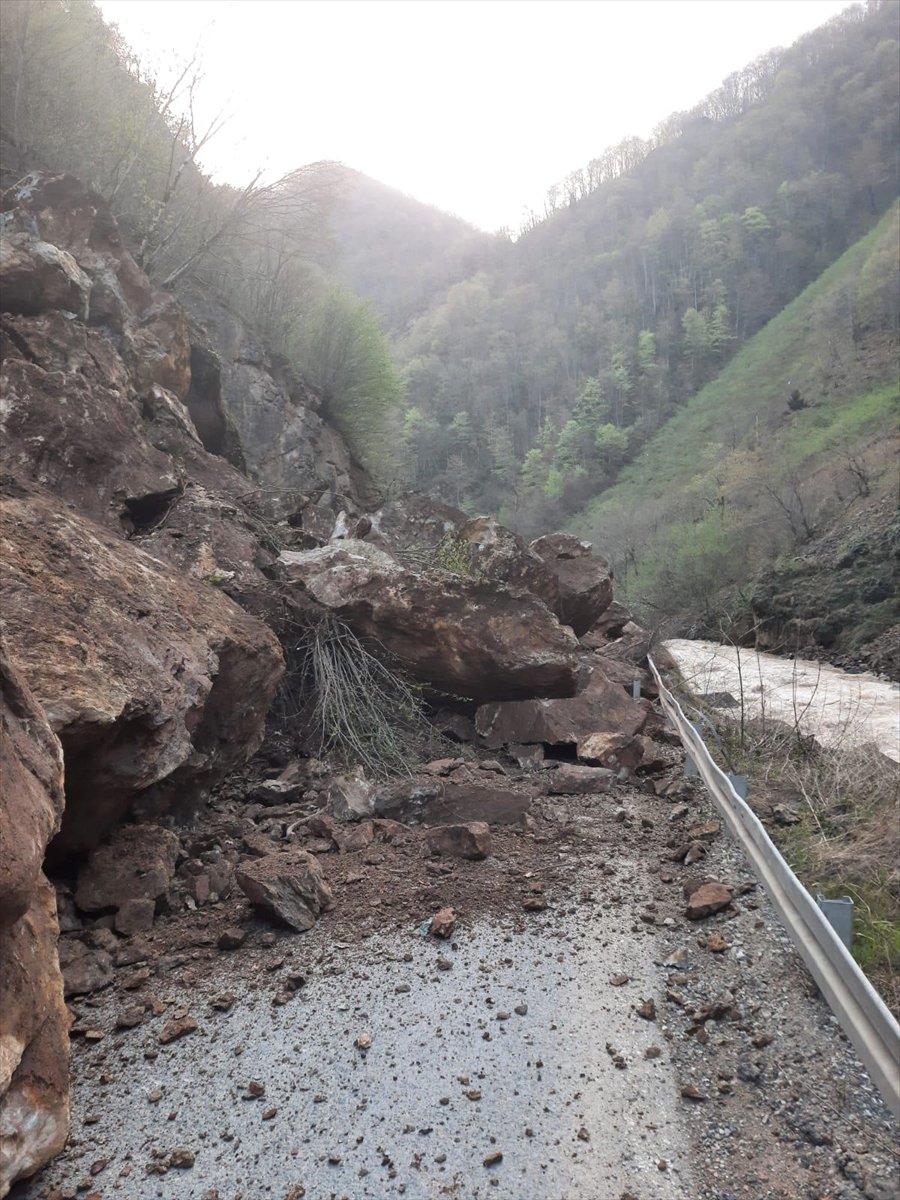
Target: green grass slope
[[736, 487]]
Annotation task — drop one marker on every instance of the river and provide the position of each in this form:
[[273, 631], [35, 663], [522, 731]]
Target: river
[[838, 708]]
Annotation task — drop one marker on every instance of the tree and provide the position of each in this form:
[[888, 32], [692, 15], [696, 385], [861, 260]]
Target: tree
[[340, 351]]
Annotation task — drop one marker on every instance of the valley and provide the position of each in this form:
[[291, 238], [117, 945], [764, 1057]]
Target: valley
[[349, 844]]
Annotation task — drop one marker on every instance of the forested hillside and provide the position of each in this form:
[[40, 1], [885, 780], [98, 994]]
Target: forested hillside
[[532, 382], [770, 498]]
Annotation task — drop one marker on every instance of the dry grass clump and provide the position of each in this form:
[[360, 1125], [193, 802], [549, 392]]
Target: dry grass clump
[[349, 703]]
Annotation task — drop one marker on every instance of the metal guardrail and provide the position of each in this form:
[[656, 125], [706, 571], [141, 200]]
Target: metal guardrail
[[860, 1011]]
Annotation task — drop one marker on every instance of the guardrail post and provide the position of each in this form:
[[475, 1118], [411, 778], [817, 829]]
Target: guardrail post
[[739, 783], [839, 915]]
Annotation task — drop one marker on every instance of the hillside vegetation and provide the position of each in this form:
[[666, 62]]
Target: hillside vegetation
[[534, 380], [75, 97], [791, 449]]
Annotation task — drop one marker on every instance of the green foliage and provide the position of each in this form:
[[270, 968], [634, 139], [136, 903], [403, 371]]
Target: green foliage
[[456, 555], [341, 352]]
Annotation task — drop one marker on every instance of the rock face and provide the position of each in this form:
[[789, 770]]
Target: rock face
[[34, 1039], [466, 636], [585, 581], [290, 887], [602, 707], [284, 442], [148, 680]]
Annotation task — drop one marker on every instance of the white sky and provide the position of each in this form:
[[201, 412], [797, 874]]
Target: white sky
[[477, 106]]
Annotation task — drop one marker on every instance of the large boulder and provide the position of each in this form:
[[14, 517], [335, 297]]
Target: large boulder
[[31, 770], [34, 1040], [36, 276], [155, 686], [585, 580], [34, 1046], [415, 525], [601, 707], [502, 556], [466, 636]]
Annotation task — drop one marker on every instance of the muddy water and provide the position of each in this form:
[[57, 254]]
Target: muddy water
[[396, 1119], [839, 709]]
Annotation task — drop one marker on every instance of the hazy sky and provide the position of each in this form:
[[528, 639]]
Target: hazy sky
[[476, 106]]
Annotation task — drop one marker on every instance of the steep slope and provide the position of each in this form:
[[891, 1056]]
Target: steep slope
[[399, 253], [738, 485]]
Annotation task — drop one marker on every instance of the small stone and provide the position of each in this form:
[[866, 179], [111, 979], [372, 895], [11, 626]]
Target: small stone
[[255, 1090], [364, 1041], [760, 1040], [401, 989], [135, 979], [583, 1135], [182, 1157], [716, 944], [443, 923], [232, 938], [223, 1002], [472, 840], [689, 1092], [619, 980], [706, 898], [521, 1010], [155, 1096], [177, 1028], [652, 1052], [269, 1113], [130, 1018], [492, 1159], [443, 964], [647, 1010], [473, 1094]]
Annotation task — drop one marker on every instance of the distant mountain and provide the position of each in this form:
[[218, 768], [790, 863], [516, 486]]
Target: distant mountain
[[399, 253]]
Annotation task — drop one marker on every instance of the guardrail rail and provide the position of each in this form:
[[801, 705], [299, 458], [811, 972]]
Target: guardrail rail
[[860, 1011]]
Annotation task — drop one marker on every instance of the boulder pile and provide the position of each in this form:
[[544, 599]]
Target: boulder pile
[[144, 577]]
